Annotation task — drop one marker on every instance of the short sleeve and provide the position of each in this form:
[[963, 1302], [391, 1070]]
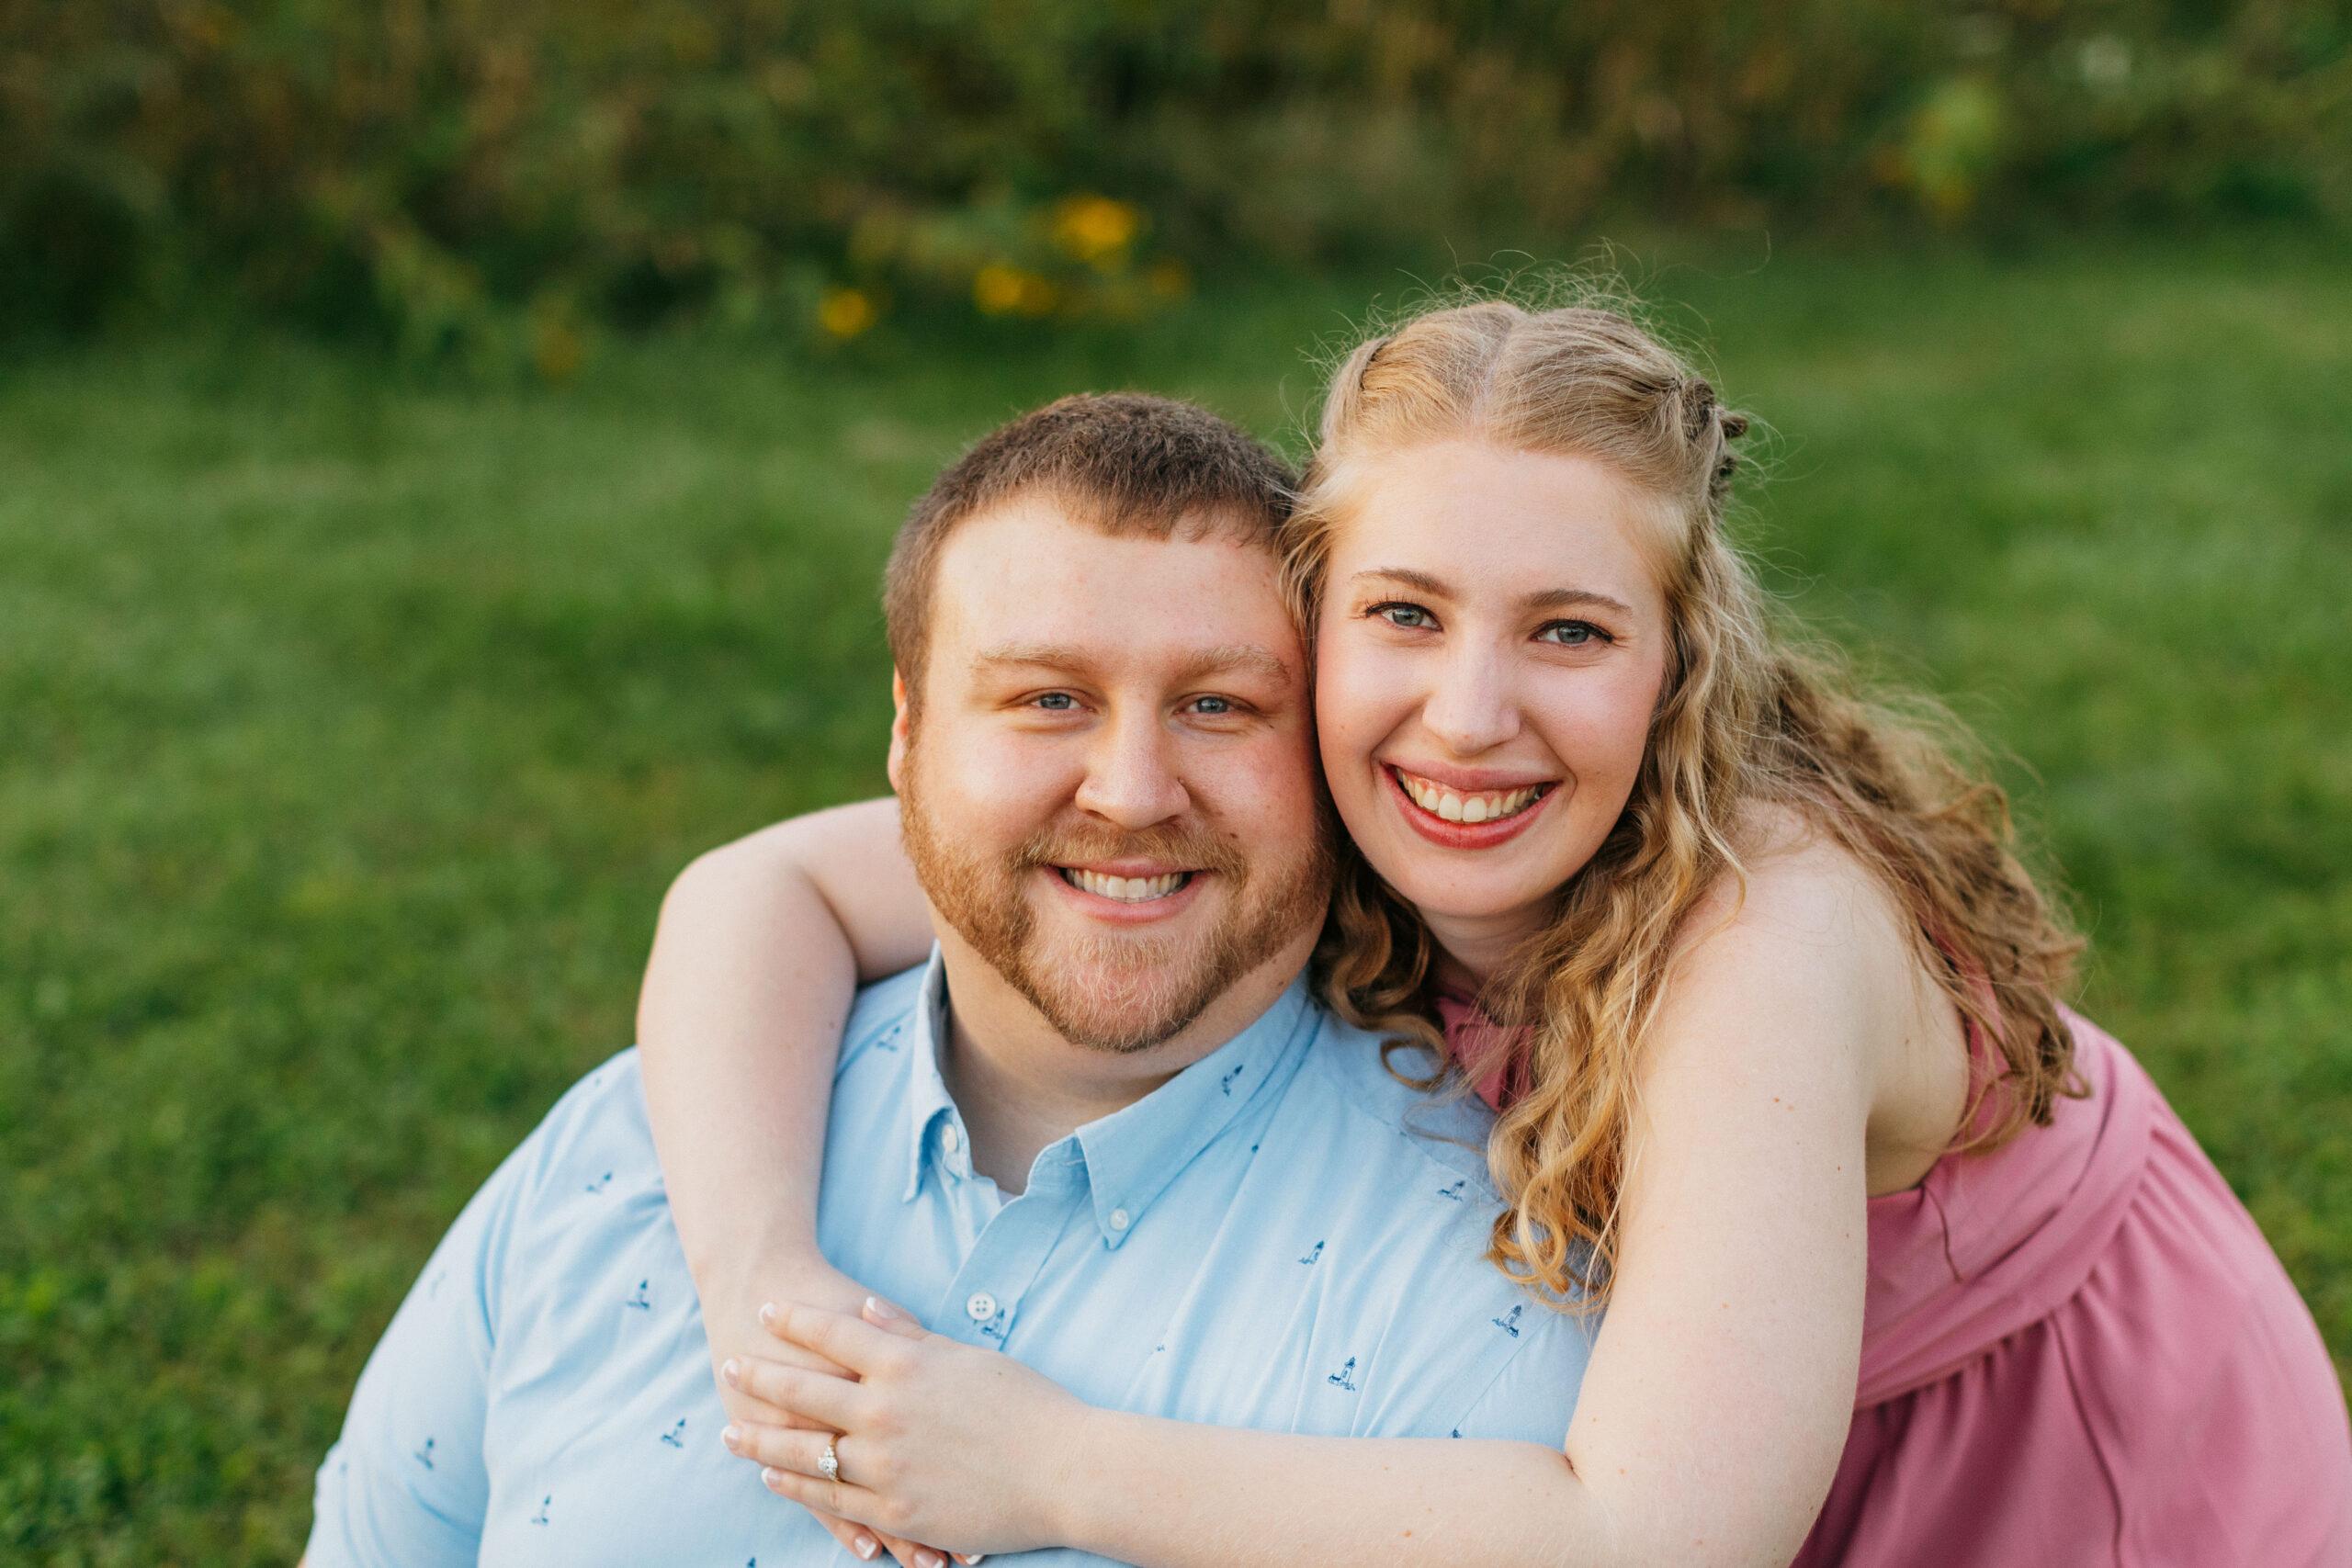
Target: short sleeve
[[406, 1484]]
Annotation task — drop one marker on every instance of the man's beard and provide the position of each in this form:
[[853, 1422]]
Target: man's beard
[[1112, 990]]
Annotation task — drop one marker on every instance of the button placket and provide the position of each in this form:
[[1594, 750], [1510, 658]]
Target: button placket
[[981, 1301]]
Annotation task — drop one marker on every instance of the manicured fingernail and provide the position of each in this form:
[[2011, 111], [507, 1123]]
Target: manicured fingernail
[[734, 1439], [731, 1372], [876, 1307], [767, 1314], [927, 1558], [866, 1547], [772, 1477]]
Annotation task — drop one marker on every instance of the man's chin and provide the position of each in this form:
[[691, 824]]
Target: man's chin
[[1120, 1004]]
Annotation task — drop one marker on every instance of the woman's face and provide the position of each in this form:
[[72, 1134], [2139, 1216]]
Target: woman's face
[[1492, 641]]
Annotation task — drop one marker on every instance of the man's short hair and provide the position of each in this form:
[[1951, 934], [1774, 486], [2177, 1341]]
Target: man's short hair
[[1125, 462]]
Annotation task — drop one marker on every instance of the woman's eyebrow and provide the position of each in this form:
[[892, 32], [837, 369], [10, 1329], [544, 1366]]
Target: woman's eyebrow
[[1420, 580], [1568, 598], [1544, 599]]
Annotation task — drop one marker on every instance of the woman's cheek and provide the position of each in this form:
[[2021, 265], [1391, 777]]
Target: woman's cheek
[[1362, 693]]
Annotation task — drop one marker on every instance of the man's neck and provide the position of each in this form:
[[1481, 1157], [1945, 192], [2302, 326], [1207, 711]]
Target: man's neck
[[1021, 1085]]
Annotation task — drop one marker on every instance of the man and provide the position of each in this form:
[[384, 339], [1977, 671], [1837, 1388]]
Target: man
[[1105, 1130]]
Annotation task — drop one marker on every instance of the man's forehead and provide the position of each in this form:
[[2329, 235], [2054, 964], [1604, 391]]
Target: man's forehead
[[1029, 579]]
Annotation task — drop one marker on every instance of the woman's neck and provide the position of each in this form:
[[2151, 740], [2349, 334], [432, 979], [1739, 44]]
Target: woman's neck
[[1472, 949]]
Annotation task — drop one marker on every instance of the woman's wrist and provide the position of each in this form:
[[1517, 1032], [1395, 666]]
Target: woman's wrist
[[1074, 1485], [744, 1266]]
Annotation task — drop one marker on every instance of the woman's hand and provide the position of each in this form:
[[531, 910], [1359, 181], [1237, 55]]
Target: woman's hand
[[937, 1440], [733, 1326]]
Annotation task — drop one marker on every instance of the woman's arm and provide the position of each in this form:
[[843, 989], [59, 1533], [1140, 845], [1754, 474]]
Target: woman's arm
[[1719, 1392], [761, 947]]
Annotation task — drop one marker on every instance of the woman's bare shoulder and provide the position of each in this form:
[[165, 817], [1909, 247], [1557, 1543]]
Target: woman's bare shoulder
[[1795, 883], [1809, 926]]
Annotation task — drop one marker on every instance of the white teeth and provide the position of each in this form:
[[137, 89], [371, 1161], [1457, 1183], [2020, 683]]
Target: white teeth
[[1127, 889], [1441, 802]]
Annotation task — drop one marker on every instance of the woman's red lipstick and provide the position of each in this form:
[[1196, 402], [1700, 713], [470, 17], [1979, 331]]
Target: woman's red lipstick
[[1462, 835]]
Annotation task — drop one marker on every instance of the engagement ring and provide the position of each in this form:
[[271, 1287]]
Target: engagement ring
[[829, 1462]]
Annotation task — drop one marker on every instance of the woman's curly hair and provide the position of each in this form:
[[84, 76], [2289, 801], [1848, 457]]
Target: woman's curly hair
[[1748, 717]]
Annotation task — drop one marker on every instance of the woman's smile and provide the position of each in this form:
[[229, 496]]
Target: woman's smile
[[1465, 818]]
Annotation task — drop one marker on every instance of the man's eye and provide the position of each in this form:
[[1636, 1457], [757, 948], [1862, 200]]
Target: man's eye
[[1572, 634], [1057, 701], [1412, 617], [1212, 705]]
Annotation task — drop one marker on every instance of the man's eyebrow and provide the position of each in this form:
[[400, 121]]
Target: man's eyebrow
[[1542, 599], [1049, 655], [1241, 656]]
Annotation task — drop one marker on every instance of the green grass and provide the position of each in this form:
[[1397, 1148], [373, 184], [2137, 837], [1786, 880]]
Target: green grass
[[351, 725]]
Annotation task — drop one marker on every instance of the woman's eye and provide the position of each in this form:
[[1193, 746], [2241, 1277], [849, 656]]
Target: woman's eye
[[1572, 634], [1057, 701], [1212, 707], [1412, 617]]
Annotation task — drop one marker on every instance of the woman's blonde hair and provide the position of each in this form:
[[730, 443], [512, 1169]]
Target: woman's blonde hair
[[1747, 720]]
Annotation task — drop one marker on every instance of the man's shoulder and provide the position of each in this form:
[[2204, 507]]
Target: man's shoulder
[[1371, 1084], [883, 1010], [599, 1122]]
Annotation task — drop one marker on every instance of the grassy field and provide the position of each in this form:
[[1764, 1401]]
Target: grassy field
[[351, 725]]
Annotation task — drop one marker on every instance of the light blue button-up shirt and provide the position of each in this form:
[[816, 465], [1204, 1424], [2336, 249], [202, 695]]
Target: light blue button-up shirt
[[1282, 1237]]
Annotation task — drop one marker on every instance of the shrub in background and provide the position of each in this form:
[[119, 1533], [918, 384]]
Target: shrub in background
[[502, 178]]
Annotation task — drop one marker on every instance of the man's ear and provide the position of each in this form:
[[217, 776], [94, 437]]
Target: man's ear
[[898, 728]]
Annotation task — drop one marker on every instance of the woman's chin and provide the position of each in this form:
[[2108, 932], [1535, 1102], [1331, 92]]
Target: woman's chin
[[1474, 910]]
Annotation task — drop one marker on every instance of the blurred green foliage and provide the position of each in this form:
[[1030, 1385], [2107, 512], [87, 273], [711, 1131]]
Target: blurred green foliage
[[355, 722], [498, 179]]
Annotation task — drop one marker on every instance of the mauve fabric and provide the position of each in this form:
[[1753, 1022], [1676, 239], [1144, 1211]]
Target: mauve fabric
[[2076, 1349]]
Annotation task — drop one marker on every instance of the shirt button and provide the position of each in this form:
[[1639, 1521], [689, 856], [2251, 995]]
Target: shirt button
[[1119, 1219], [980, 1307], [949, 1138]]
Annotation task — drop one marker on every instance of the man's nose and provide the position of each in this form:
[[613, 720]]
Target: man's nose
[[1131, 776], [1474, 707]]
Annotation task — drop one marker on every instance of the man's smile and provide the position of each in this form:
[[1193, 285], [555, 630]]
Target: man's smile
[[1129, 892], [1125, 889]]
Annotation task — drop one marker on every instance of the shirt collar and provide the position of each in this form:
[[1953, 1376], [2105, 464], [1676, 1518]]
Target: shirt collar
[[1132, 1154], [927, 1095]]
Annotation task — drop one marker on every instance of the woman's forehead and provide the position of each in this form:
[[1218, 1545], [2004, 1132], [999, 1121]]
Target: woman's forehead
[[1475, 515]]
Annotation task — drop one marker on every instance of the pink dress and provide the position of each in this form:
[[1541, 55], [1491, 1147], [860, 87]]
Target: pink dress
[[2078, 1350]]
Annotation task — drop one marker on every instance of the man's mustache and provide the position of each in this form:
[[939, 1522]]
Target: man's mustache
[[1188, 849]]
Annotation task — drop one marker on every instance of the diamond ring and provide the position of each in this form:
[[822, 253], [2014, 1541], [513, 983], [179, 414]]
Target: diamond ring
[[828, 1463]]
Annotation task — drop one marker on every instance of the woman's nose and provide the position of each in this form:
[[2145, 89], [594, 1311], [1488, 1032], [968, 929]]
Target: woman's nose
[[1131, 775], [1473, 707]]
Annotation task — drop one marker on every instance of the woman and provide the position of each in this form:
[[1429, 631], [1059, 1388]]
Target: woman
[[1770, 1013]]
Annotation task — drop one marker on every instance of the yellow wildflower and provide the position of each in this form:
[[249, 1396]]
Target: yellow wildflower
[[845, 312], [999, 289], [1095, 228]]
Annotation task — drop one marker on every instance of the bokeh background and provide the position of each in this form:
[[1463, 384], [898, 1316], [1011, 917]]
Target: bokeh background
[[447, 450]]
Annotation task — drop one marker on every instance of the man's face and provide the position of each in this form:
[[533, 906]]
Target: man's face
[[1109, 783]]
